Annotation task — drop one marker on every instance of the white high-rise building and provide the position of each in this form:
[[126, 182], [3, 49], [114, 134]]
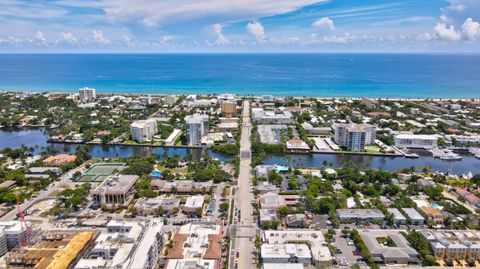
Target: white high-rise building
[[87, 94], [354, 136], [143, 130], [197, 126]]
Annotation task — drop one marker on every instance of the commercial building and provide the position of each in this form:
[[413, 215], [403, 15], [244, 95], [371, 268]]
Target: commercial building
[[413, 216], [354, 136], [197, 126], [267, 215], [433, 214], [286, 253], [316, 130], [415, 141], [360, 215], [87, 94], [278, 116], [229, 109], [196, 245], [151, 206], [193, 203], [455, 244], [143, 130], [181, 186], [389, 247], [117, 190], [12, 234], [320, 253], [127, 244], [55, 250], [271, 200]]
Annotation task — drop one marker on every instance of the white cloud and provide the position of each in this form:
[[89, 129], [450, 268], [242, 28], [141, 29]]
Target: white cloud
[[67, 38], [324, 23], [98, 38], [220, 38], [444, 32], [154, 13], [127, 40], [471, 29], [40, 37], [256, 30]]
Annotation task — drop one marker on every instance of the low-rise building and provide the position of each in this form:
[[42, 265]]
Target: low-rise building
[[172, 138], [415, 141], [398, 217], [319, 250], [193, 203], [455, 244], [196, 245], [128, 244], [181, 186], [297, 145], [116, 190], [389, 247], [268, 215], [295, 221], [152, 206], [271, 200], [360, 215], [432, 214], [286, 253], [413, 216], [273, 117], [59, 159]]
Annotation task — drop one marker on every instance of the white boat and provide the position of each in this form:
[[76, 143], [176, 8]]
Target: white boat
[[451, 157], [411, 155]]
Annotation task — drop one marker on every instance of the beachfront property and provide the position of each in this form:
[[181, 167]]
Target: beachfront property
[[196, 126], [87, 94], [389, 247], [116, 190], [278, 116], [360, 215], [354, 137], [319, 252], [143, 130], [455, 244], [196, 245], [405, 140], [286, 253], [127, 243]]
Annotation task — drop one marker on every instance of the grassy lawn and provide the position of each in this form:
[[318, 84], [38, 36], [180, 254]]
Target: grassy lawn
[[177, 170], [386, 241]]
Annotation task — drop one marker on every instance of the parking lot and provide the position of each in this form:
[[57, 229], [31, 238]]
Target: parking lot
[[345, 250]]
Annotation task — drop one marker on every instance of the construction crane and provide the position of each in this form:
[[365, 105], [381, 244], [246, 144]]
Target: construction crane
[[21, 216]]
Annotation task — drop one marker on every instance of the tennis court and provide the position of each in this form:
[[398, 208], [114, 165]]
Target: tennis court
[[100, 171]]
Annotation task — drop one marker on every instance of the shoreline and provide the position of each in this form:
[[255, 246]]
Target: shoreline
[[113, 93]]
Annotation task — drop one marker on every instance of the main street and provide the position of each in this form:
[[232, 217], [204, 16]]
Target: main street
[[244, 231]]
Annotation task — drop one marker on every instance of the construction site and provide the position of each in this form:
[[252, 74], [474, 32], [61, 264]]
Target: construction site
[[51, 250]]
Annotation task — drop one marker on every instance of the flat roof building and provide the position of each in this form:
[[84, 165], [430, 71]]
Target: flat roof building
[[354, 136], [399, 252], [116, 190], [273, 117], [151, 206], [193, 202], [196, 245], [413, 215], [319, 250], [286, 253], [398, 217], [415, 141], [127, 244], [455, 244], [297, 145], [359, 214]]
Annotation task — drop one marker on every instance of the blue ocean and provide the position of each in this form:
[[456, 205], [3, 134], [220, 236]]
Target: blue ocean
[[322, 75]]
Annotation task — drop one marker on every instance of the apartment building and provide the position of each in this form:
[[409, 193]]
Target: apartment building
[[354, 136], [87, 94], [196, 125], [143, 130], [455, 244], [415, 141]]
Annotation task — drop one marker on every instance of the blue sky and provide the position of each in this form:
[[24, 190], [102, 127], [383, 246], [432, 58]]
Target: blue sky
[[240, 26]]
